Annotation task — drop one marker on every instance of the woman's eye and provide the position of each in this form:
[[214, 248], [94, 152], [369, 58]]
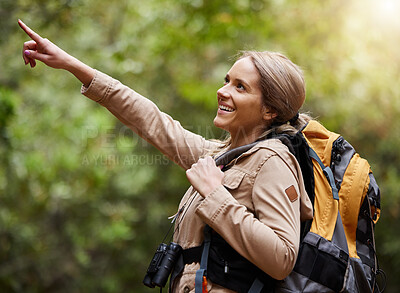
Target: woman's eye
[[226, 81], [240, 87]]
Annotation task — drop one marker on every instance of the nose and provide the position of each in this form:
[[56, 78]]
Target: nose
[[223, 93]]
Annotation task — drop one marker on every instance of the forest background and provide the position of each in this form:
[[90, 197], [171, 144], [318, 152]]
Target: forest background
[[84, 202]]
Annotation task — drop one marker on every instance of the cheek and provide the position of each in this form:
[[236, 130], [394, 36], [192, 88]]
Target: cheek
[[256, 110]]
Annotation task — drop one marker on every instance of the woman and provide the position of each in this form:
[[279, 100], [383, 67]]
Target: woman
[[257, 205]]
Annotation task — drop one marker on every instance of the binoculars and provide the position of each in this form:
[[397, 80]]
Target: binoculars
[[162, 264]]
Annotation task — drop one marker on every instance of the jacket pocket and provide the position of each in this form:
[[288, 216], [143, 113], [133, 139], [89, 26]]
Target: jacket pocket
[[233, 178]]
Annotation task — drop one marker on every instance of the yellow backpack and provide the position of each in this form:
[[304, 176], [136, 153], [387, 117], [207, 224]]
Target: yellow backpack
[[337, 251]]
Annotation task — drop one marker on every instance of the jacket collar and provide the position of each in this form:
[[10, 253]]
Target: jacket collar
[[264, 144]]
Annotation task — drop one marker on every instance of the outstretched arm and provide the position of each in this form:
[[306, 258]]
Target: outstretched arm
[[132, 109], [45, 51]]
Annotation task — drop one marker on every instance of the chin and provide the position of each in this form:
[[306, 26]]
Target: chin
[[219, 124], [222, 127]]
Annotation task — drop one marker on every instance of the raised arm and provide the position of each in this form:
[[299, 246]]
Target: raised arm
[[42, 49], [132, 109]]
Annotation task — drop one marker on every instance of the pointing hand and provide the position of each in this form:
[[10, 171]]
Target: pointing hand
[[43, 50]]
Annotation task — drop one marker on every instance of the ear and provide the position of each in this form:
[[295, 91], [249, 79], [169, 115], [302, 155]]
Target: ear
[[269, 115]]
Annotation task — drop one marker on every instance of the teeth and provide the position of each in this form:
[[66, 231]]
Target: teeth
[[226, 108]]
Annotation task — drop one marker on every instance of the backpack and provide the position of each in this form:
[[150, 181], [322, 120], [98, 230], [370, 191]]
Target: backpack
[[337, 251], [337, 247]]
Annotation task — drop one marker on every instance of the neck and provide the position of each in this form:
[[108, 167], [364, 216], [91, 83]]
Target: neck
[[238, 140]]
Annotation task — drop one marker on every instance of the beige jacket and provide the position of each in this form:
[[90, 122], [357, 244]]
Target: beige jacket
[[257, 210]]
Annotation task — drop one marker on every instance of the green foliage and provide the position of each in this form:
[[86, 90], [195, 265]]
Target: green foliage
[[84, 202]]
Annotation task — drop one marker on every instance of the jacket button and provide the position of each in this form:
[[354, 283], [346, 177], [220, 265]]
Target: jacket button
[[186, 290]]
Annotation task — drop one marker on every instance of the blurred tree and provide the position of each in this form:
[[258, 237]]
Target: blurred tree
[[84, 201]]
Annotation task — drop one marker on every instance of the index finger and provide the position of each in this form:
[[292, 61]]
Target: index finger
[[34, 36]]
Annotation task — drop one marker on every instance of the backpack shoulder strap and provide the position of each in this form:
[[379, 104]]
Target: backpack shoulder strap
[[326, 202], [320, 140], [232, 154], [327, 171]]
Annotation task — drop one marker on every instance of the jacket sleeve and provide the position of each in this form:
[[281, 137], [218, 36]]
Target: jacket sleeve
[[269, 237], [143, 117]]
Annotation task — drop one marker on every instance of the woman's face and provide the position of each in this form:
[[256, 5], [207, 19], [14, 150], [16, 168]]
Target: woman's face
[[240, 108]]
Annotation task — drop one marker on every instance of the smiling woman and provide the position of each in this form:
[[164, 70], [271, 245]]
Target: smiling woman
[[257, 205]]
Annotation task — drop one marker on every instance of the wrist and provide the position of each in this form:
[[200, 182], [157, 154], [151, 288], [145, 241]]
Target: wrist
[[80, 70], [70, 64], [210, 190]]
